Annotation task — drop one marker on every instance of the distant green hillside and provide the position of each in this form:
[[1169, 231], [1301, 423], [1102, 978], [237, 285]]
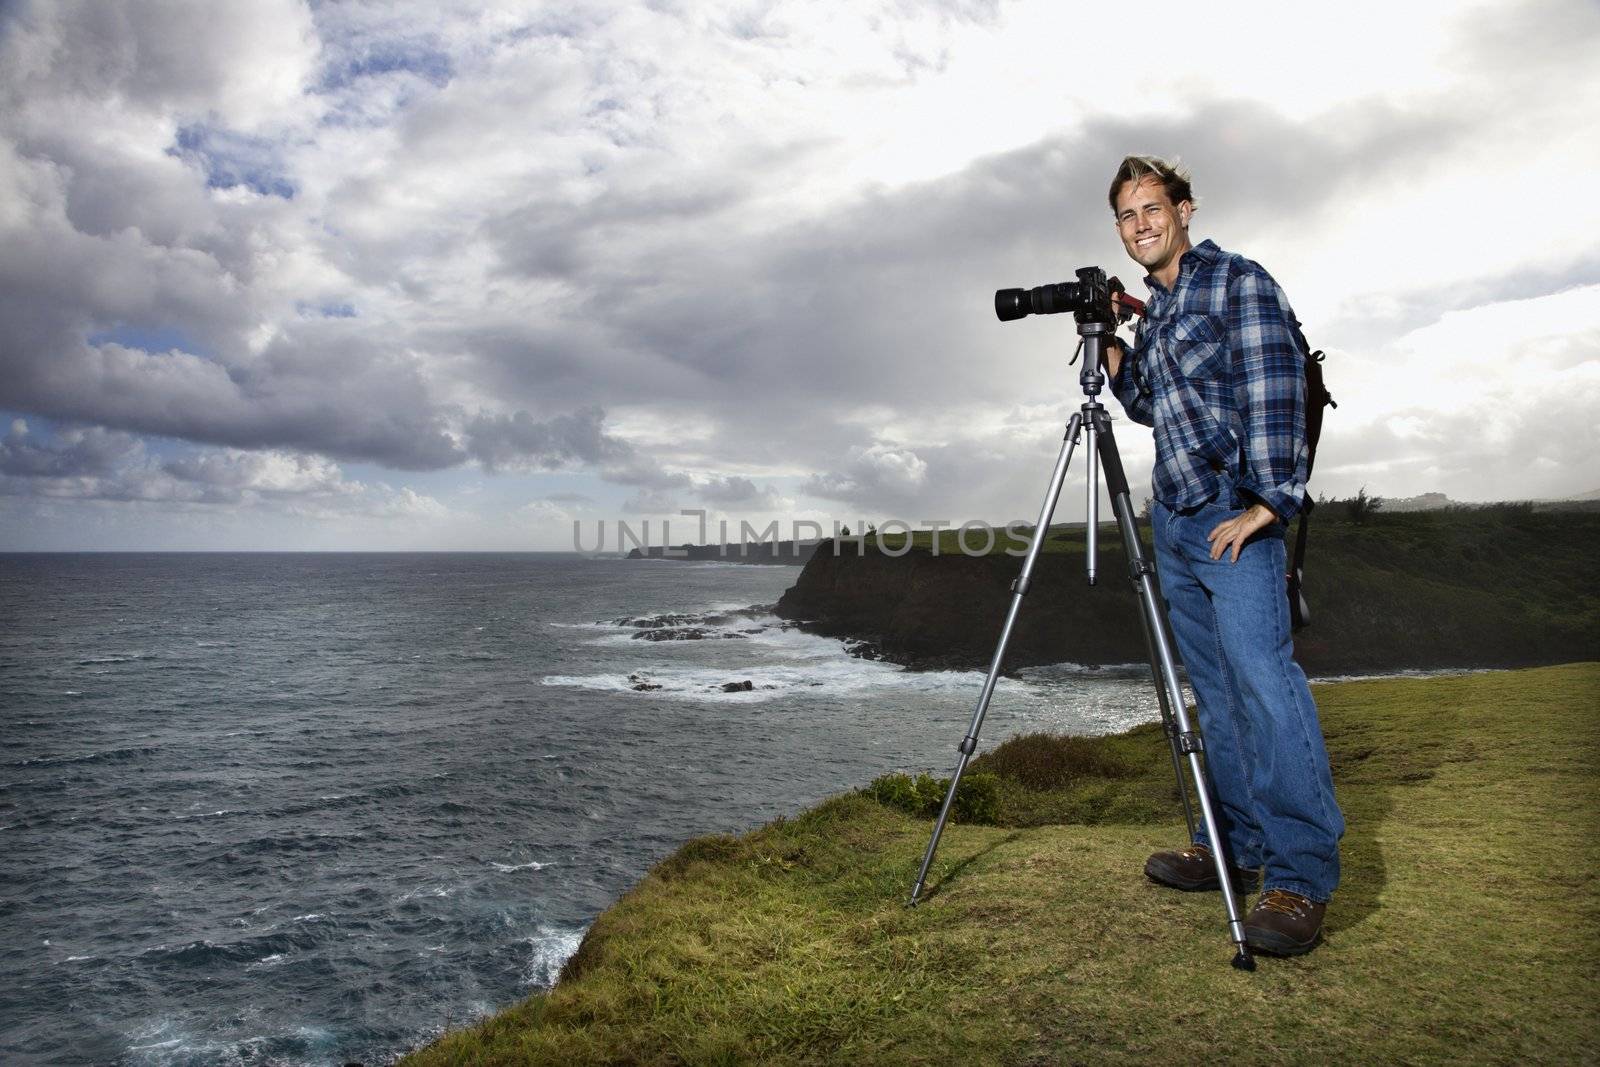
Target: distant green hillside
[[1495, 586], [1466, 929]]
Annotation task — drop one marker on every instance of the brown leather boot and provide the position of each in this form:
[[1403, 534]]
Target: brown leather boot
[[1192, 869], [1284, 923]]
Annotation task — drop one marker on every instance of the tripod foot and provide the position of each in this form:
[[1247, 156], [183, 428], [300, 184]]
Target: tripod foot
[[1244, 961]]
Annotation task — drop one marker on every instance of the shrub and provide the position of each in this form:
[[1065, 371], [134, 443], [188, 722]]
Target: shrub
[[1363, 507], [977, 801], [1045, 762]]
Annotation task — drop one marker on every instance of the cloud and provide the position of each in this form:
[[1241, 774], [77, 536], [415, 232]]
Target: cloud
[[710, 253], [876, 476], [730, 491], [91, 464], [499, 441], [75, 453]]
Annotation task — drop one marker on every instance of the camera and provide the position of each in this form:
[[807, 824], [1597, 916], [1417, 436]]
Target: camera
[[1088, 298]]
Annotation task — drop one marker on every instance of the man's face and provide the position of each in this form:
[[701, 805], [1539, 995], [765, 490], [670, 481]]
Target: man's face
[[1154, 230]]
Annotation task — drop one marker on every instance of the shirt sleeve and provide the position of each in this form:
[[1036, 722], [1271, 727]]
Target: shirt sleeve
[[1270, 389], [1129, 389]]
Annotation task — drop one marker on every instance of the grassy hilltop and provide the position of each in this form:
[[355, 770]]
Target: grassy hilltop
[[1467, 928], [1500, 586]]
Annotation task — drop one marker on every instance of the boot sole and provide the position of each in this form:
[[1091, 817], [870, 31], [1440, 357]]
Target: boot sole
[[1277, 944]]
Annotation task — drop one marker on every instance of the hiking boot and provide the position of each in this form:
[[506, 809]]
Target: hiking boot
[[1192, 869], [1284, 923]]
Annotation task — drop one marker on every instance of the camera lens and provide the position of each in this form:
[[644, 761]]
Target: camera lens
[[1011, 304]]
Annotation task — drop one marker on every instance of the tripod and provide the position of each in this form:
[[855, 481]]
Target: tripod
[[1183, 740]]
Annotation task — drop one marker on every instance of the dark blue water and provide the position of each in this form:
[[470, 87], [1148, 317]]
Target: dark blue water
[[316, 808]]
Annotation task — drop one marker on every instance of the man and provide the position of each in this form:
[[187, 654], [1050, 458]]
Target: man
[[1217, 370]]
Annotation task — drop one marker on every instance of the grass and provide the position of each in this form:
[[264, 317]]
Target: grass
[[1466, 930]]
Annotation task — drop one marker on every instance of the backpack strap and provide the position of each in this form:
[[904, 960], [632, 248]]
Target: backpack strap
[[1317, 398], [1299, 610]]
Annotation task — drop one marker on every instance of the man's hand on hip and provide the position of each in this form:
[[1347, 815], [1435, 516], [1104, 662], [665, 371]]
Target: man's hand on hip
[[1234, 532]]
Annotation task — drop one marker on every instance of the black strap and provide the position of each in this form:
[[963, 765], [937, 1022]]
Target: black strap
[[1317, 398], [1299, 610]]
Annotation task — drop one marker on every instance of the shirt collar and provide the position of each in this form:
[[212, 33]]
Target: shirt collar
[[1205, 252]]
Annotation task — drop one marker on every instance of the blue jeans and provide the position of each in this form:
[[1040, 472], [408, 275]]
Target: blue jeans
[[1263, 744]]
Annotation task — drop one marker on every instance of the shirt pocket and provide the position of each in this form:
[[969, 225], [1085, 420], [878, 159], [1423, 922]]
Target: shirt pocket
[[1200, 348]]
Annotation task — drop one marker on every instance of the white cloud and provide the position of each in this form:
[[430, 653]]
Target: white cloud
[[714, 252]]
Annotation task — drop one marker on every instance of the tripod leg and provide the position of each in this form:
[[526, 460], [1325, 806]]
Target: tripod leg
[[1169, 724], [1019, 589], [1189, 741]]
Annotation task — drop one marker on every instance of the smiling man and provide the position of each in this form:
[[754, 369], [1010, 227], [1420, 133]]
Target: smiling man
[[1217, 370]]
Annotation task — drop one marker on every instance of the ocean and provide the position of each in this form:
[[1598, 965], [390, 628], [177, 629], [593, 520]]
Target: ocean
[[314, 809]]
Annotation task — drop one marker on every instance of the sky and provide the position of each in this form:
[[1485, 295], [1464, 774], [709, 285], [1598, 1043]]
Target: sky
[[408, 275]]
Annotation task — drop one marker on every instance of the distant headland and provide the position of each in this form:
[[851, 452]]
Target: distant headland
[[771, 553]]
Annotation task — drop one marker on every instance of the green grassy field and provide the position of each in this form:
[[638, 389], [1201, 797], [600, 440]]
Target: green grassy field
[[1466, 930]]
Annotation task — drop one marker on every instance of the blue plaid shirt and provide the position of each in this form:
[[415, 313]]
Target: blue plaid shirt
[[1218, 370]]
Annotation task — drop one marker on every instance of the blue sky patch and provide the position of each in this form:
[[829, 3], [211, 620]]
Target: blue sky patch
[[415, 57], [230, 159], [163, 339], [326, 311]]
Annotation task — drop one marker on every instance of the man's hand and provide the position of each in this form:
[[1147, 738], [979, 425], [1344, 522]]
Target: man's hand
[[1236, 531], [1113, 351]]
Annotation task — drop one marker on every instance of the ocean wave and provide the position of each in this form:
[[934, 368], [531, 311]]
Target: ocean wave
[[549, 949], [204, 953], [113, 755], [507, 868]]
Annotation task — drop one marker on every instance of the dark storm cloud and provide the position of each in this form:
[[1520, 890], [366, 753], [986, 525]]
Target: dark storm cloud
[[499, 441], [731, 491], [890, 298], [363, 406]]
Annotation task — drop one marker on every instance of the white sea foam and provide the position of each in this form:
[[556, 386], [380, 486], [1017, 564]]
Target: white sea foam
[[821, 677], [533, 865], [550, 949]]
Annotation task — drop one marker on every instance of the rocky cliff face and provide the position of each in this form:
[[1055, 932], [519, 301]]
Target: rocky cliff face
[[1413, 592], [947, 610]]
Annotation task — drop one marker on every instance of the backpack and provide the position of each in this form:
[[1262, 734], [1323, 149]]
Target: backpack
[[1317, 398]]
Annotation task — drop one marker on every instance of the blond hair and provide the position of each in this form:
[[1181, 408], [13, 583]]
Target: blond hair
[[1174, 177]]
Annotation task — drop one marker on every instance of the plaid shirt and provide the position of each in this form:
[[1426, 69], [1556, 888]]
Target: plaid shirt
[[1217, 369]]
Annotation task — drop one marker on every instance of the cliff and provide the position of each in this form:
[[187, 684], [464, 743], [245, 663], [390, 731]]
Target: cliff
[[1499, 587], [1460, 934]]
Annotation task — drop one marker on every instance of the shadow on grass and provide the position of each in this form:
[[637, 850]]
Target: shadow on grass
[[933, 889], [1372, 773]]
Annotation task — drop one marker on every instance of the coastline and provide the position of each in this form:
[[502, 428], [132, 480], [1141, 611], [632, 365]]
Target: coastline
[[1039, 941]]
